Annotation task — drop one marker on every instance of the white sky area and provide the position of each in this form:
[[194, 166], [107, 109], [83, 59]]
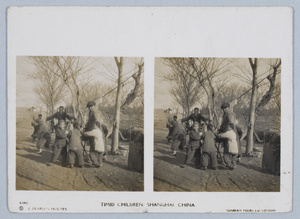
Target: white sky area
[[163, 99], [101, 72]]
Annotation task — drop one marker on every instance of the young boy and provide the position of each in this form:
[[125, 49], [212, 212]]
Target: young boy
[[35, 124], [60, 143], [43, 135], [75, 148], [178, 138], [98, 145], [231, 149], [209, 150], [194, 144], [171, 125]]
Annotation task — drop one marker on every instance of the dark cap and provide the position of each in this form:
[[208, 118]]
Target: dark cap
[[90, 103], [225, 105], [60, 107], [196, 108]]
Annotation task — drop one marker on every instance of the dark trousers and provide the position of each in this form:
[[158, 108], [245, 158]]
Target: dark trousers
[[76, 153], [191, 152], [230, 159], [95, 156], [57, 152], [44, 141], [209, 155]]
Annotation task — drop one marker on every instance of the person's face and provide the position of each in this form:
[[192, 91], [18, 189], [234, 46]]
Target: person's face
[[196, 111], [196, 127], [92, 108], [61, 110], [62, 125], [40, 117], [225, 110]]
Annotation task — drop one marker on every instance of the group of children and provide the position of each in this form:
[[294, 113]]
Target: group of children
[[202, 145], [68, 144]]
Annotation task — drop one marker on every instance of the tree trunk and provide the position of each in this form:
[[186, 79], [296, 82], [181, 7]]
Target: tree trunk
[[251, 120], [116, 125], [134, 92]]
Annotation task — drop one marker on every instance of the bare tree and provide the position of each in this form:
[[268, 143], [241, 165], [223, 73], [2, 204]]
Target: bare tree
[[251, 120], [116, 125], [48, 87], [276, 67], [184, 87], [70, 69]]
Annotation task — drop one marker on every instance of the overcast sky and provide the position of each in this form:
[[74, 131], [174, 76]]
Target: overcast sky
[[26, 96]]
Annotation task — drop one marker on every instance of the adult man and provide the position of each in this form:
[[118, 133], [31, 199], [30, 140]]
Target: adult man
[[60, 115], [92, 116], [90, 125], [229, 118], [195, 117]]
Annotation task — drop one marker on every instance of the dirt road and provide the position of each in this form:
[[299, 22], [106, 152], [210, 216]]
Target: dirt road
[[169, 176]]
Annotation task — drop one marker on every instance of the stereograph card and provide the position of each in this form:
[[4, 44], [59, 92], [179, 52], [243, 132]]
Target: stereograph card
[[150, 109]]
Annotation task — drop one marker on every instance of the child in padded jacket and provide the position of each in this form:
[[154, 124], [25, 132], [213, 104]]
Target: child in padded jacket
[[60, 143], [98, 145], [75, 147], [194, 144], [231, 148]]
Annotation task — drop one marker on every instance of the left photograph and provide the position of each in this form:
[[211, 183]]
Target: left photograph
[[79, 123]]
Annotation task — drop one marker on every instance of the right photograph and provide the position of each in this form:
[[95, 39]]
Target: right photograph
[[217, 124]]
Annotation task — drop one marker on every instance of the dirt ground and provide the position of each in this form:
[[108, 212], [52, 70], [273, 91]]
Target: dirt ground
[[32, 173], [169, 176]]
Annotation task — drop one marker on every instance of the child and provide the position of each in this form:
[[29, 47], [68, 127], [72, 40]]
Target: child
[[178, 138], [60, 143], [44, 138], [209, 150], [194, 144], [75, 148], [98, 145], [231, 148], [171, 125], [35, 123]]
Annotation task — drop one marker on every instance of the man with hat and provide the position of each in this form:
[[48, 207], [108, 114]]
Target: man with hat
[[90, 125], [229, 118], [92, 117]]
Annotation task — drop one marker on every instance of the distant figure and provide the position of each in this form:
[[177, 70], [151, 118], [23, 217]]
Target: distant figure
[[74, 146], [209, 150], [171, 126], [43, 135], [230, 149], [97, 144]]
